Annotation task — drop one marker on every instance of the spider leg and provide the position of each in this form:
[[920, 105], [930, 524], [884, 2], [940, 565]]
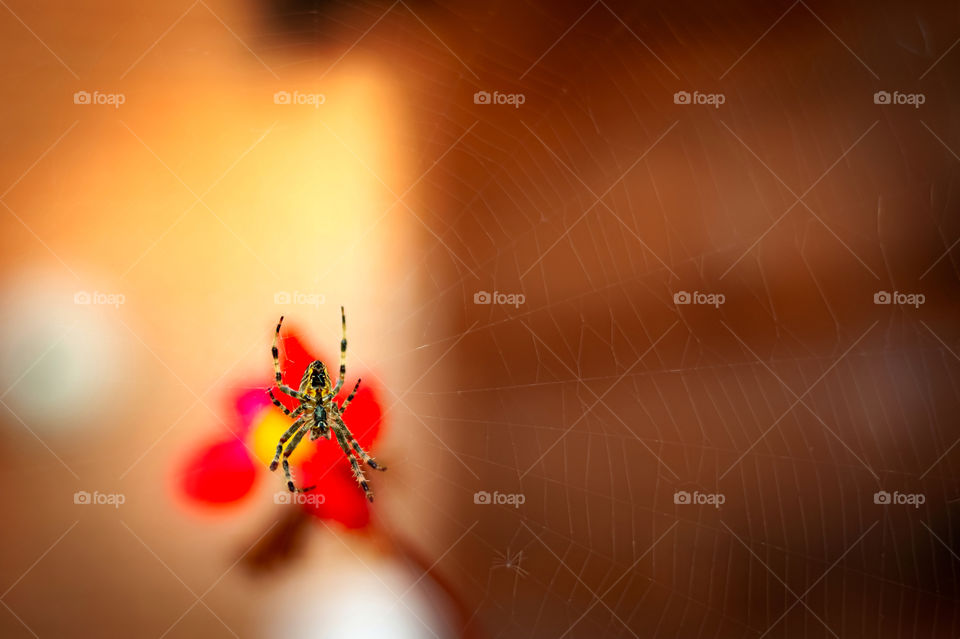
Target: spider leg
[[286, 411], [343, 354], [370, 461], [283, 439], [357, 472], [276, 365], [349, 399], [286, 461]]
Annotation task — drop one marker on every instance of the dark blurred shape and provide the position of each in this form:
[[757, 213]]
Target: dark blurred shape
[[293, 23]]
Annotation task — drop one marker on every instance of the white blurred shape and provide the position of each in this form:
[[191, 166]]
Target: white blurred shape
[[346, 599], [56, 356]]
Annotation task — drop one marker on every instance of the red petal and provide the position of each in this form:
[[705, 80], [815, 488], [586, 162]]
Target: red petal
[[363, 416], [249, 404], [343, 500], [220, 473], [294, 358]]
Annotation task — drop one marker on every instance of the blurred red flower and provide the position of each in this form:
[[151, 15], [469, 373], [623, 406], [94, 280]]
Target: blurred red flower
[[225, 471]]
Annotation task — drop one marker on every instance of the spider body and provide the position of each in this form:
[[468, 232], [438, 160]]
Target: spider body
[[318, 414]]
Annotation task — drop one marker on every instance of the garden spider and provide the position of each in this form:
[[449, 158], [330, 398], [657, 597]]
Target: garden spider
[[318, 414]]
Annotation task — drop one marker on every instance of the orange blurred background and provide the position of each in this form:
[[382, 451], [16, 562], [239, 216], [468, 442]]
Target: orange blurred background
[[192, 211]]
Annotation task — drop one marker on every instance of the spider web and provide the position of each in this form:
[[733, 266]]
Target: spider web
[[599, 397]]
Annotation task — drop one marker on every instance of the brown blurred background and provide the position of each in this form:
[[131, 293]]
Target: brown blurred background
[[597, 398]]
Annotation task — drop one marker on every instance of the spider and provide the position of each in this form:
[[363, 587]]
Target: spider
[[318, 414]]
